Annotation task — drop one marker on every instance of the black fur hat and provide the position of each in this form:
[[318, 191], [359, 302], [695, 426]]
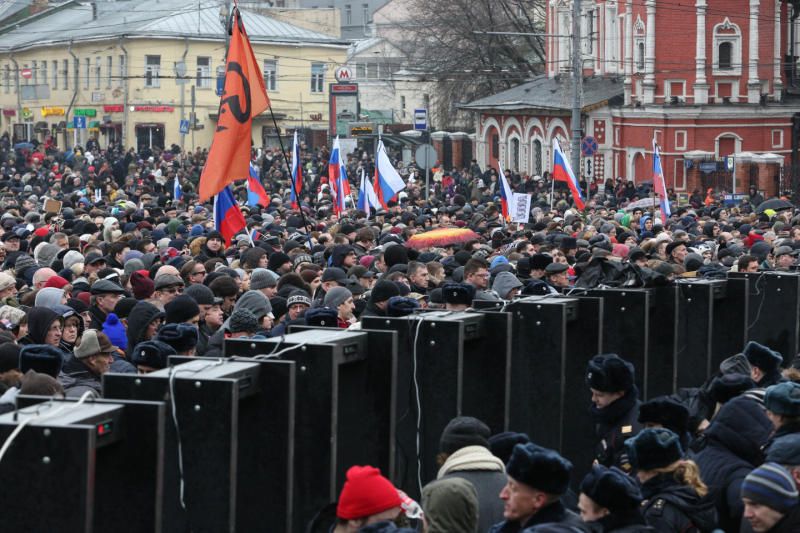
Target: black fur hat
[[609, 373], [539, 468], [667, 412], [654, 448], [611, 488], [760, 356]]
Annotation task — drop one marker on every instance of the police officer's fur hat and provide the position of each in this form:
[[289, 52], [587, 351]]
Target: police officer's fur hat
[[609, 373], [539, 468], [762, 357], [611, 488], [654, 448], [667, 412]]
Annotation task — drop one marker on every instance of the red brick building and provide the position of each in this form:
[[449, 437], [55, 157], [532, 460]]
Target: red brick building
[[706, 80]]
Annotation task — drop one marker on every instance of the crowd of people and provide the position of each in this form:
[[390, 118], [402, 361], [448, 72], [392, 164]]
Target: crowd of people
[[103, 270]]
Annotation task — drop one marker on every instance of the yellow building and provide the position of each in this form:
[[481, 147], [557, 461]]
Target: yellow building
[[136, 70]]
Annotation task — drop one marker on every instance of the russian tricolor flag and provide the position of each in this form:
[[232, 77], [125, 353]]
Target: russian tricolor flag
[[256, 195], [660, 185], [297, 174], [563, 172], [366, 195], [337, 177], [505, 194], [387, 181], [228, 218], [177, 191]]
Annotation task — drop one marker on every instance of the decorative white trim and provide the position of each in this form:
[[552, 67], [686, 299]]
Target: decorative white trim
[[509, 122], [679, 169], [779, 144], [735, 39], [533, 122], [678, 135], [737, 142], [668, 89], [734, 90]]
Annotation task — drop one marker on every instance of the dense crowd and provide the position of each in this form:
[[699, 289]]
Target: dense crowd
[[103, 270]]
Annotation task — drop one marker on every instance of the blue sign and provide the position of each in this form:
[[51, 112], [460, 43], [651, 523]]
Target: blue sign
[[708, 167], [220, 84], [184, 127], [421, 119], [79, 123], [588, 146]]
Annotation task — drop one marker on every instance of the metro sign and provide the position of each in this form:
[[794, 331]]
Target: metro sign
[[344, 74]]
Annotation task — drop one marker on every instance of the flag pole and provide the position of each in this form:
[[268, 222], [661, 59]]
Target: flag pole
[[552, 191], [655, 193]]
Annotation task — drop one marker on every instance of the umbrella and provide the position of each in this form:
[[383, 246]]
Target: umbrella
[[646, 203], [441, 237], [776, 204]]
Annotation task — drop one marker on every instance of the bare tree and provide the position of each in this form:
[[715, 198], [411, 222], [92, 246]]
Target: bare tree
[[447, 43]]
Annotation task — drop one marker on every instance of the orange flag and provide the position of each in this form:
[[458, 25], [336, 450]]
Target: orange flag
[[244, 97]]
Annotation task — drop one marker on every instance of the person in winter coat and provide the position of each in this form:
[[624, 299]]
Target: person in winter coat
[[671, 486], [464, 453], [450, 505], [92, 358], [45, 326], [770, 498], [616, 408], [379, 298], [765, 362], [610, 501], [143, 323], [537, 479], [253, 301], [367, 499], [783, 409], [729, 449]]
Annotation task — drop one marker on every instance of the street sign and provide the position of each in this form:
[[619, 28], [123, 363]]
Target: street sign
[[426, 156], [184, 127], [79, 123], [343, 74], [26, 73], [588, 146], [421, 119]]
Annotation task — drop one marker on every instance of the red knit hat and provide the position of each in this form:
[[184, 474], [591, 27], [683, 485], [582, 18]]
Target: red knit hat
[[365, 493], [56, 282]]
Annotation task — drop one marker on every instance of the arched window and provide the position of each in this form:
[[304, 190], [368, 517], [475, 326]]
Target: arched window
[[725, 55], [513, 160], [640, 57], [537, 158]]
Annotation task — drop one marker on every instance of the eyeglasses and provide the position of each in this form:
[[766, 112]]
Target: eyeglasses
[[202, 272], [173, 290]]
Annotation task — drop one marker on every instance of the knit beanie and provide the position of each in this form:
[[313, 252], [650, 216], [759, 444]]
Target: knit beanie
[[277, 260], [132, 265], [243, 321], [336, 297], [502, 444], [365, 493], [181, 309], [464, 431], [124, 307], [261, 278], [56, 282], [383, 290], [772, 485], [201, 294], [9, 356], [142, 286], [115, 331]]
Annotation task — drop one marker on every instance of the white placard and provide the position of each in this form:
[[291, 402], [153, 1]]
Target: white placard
[[520, 207]]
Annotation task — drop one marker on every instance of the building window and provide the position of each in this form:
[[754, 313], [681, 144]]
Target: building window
[[35, 70], [122, 68], [365, 14], [589, 32], [640, 56], [680, 140], [537, 158], [152, 70], [203, 72], [513, 160], [65, 73], [777, 138], [727, 60], [55, 74], [6, 79], [97, 72], [87, 72], [45, 80], [271, 74], [495, 146], [403, 106], [372, 70], [76, 71], [109, 70], [317, 77], [348, 14]]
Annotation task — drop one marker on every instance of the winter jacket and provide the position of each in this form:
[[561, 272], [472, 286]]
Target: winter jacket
[[142, 314], [77, 378], [620, 522], [555, 513], [450, 504], [39, 321], [385, 527], [486, 472], [613, 425], [98, 318], [729, 450], [254, 301], [670, 507]]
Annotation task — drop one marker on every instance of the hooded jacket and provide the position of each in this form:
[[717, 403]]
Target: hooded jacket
[[486, 473], [670, 506], [142, 314], [730, 449], [451, 505], [39, 321]]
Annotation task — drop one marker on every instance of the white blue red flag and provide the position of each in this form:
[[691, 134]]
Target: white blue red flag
[[297, 174], [228, 218], [337, 177], [177, 191], [256, 195], [366, 195], [659, 184], [505, 194], [562, 171], [387, 180]]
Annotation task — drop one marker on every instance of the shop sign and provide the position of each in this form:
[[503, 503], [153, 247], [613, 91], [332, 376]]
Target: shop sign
[[154, 108], [53, 111], [9, 112], [85, 112], [27, 113], [112, 108]]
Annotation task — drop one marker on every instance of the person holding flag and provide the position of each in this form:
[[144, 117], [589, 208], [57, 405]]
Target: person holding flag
[[244, 97], [659, 184], [387, 181], [337, 178], [228, 218], [562, 171], [297, 174], [505, 194], [177, 190], [256, 195], [366, 195]]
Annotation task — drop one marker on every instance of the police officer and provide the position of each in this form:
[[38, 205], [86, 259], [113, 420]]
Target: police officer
[[615, 408]]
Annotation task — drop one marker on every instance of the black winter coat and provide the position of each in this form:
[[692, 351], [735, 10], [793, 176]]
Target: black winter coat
[[729, 450], [671, 507], [613, 425], [554, 513]]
